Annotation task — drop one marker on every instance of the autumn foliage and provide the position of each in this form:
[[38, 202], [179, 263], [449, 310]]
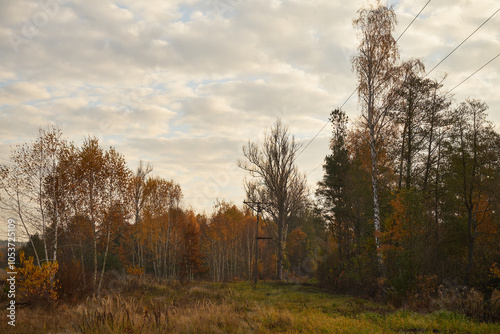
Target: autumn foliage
[[410, 191], [409, 201], [36, 284]]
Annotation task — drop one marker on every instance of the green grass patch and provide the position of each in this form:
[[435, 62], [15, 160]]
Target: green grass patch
[[238, 308]]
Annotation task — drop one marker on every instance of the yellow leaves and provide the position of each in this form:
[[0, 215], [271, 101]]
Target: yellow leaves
[[396, 226], [160, 216], [191, 257], [396, 230], [135, 270], [37, 283], [495, 270], [403, 228]]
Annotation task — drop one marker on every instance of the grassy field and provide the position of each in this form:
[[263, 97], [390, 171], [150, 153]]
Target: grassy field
[[234, 308]]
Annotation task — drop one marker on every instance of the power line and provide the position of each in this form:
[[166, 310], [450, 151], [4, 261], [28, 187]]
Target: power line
[[321, 164], [459, 84], [449, 54], [479, 69], [459, 45], [355, 89], [324, 125], [413, 20], [476, 71]]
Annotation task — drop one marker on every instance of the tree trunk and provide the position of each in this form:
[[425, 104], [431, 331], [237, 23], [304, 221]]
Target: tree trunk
[[42, 211], [376, 206], [402, 158], [409, 153], [437, 206], [95, 259], [104, 261], [56, 216], [19, 213], [83, 264], [429, 147], [471, 238], [280, 251]]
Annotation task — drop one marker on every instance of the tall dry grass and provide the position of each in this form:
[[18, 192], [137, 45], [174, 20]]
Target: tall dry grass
[[133, 306]]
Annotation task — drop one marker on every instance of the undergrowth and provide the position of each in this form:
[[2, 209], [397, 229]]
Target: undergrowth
[[151, 307]]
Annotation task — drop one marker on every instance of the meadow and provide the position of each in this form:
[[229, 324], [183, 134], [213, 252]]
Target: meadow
[[132, 306]]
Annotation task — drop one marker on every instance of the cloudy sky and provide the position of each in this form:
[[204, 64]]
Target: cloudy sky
[[185, 84]]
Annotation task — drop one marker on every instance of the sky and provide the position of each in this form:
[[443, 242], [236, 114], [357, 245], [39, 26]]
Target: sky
[[185, 85]]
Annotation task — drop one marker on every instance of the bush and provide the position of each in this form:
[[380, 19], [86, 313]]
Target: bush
[[421, 297], [37, 284]]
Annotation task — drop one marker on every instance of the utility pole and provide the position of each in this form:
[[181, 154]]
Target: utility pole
[[260, 206]]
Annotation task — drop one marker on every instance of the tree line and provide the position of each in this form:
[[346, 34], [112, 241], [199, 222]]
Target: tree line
[[410, 195], [82, 208], [411, 190]]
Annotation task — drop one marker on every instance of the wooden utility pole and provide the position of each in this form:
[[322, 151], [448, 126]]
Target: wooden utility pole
[[260, 206]]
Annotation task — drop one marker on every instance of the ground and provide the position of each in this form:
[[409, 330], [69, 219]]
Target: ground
[[233, 308]]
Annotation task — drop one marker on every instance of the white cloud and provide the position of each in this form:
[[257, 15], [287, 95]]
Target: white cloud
[[22, 93], [185, 84]]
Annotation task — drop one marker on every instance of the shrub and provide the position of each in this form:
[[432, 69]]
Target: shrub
[[135, 271], [37, 283], [421, 297]]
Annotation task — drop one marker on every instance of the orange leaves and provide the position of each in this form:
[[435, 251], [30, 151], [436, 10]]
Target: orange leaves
[[404, 226], [296, 236], [396, 228], [486, 227], [357, 144], [135, 271], [161, 198], [159, 223], [37, 283], [225, 223], [161, 195], [191, 256], [229, 243], [495, 270]]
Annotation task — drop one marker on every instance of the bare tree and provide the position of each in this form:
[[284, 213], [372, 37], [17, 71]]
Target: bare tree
[[276, 179], [24, 187], [13, 199]]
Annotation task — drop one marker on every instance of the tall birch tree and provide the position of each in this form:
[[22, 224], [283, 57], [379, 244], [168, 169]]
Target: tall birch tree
[[376, 69]]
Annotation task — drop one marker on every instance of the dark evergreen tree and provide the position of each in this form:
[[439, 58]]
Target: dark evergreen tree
[[332, 189]]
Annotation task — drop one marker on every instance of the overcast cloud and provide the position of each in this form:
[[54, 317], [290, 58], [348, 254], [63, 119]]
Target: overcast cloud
[[185, 84]]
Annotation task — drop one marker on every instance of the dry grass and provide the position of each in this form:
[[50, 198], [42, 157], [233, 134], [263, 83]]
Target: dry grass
[[234, 308]]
